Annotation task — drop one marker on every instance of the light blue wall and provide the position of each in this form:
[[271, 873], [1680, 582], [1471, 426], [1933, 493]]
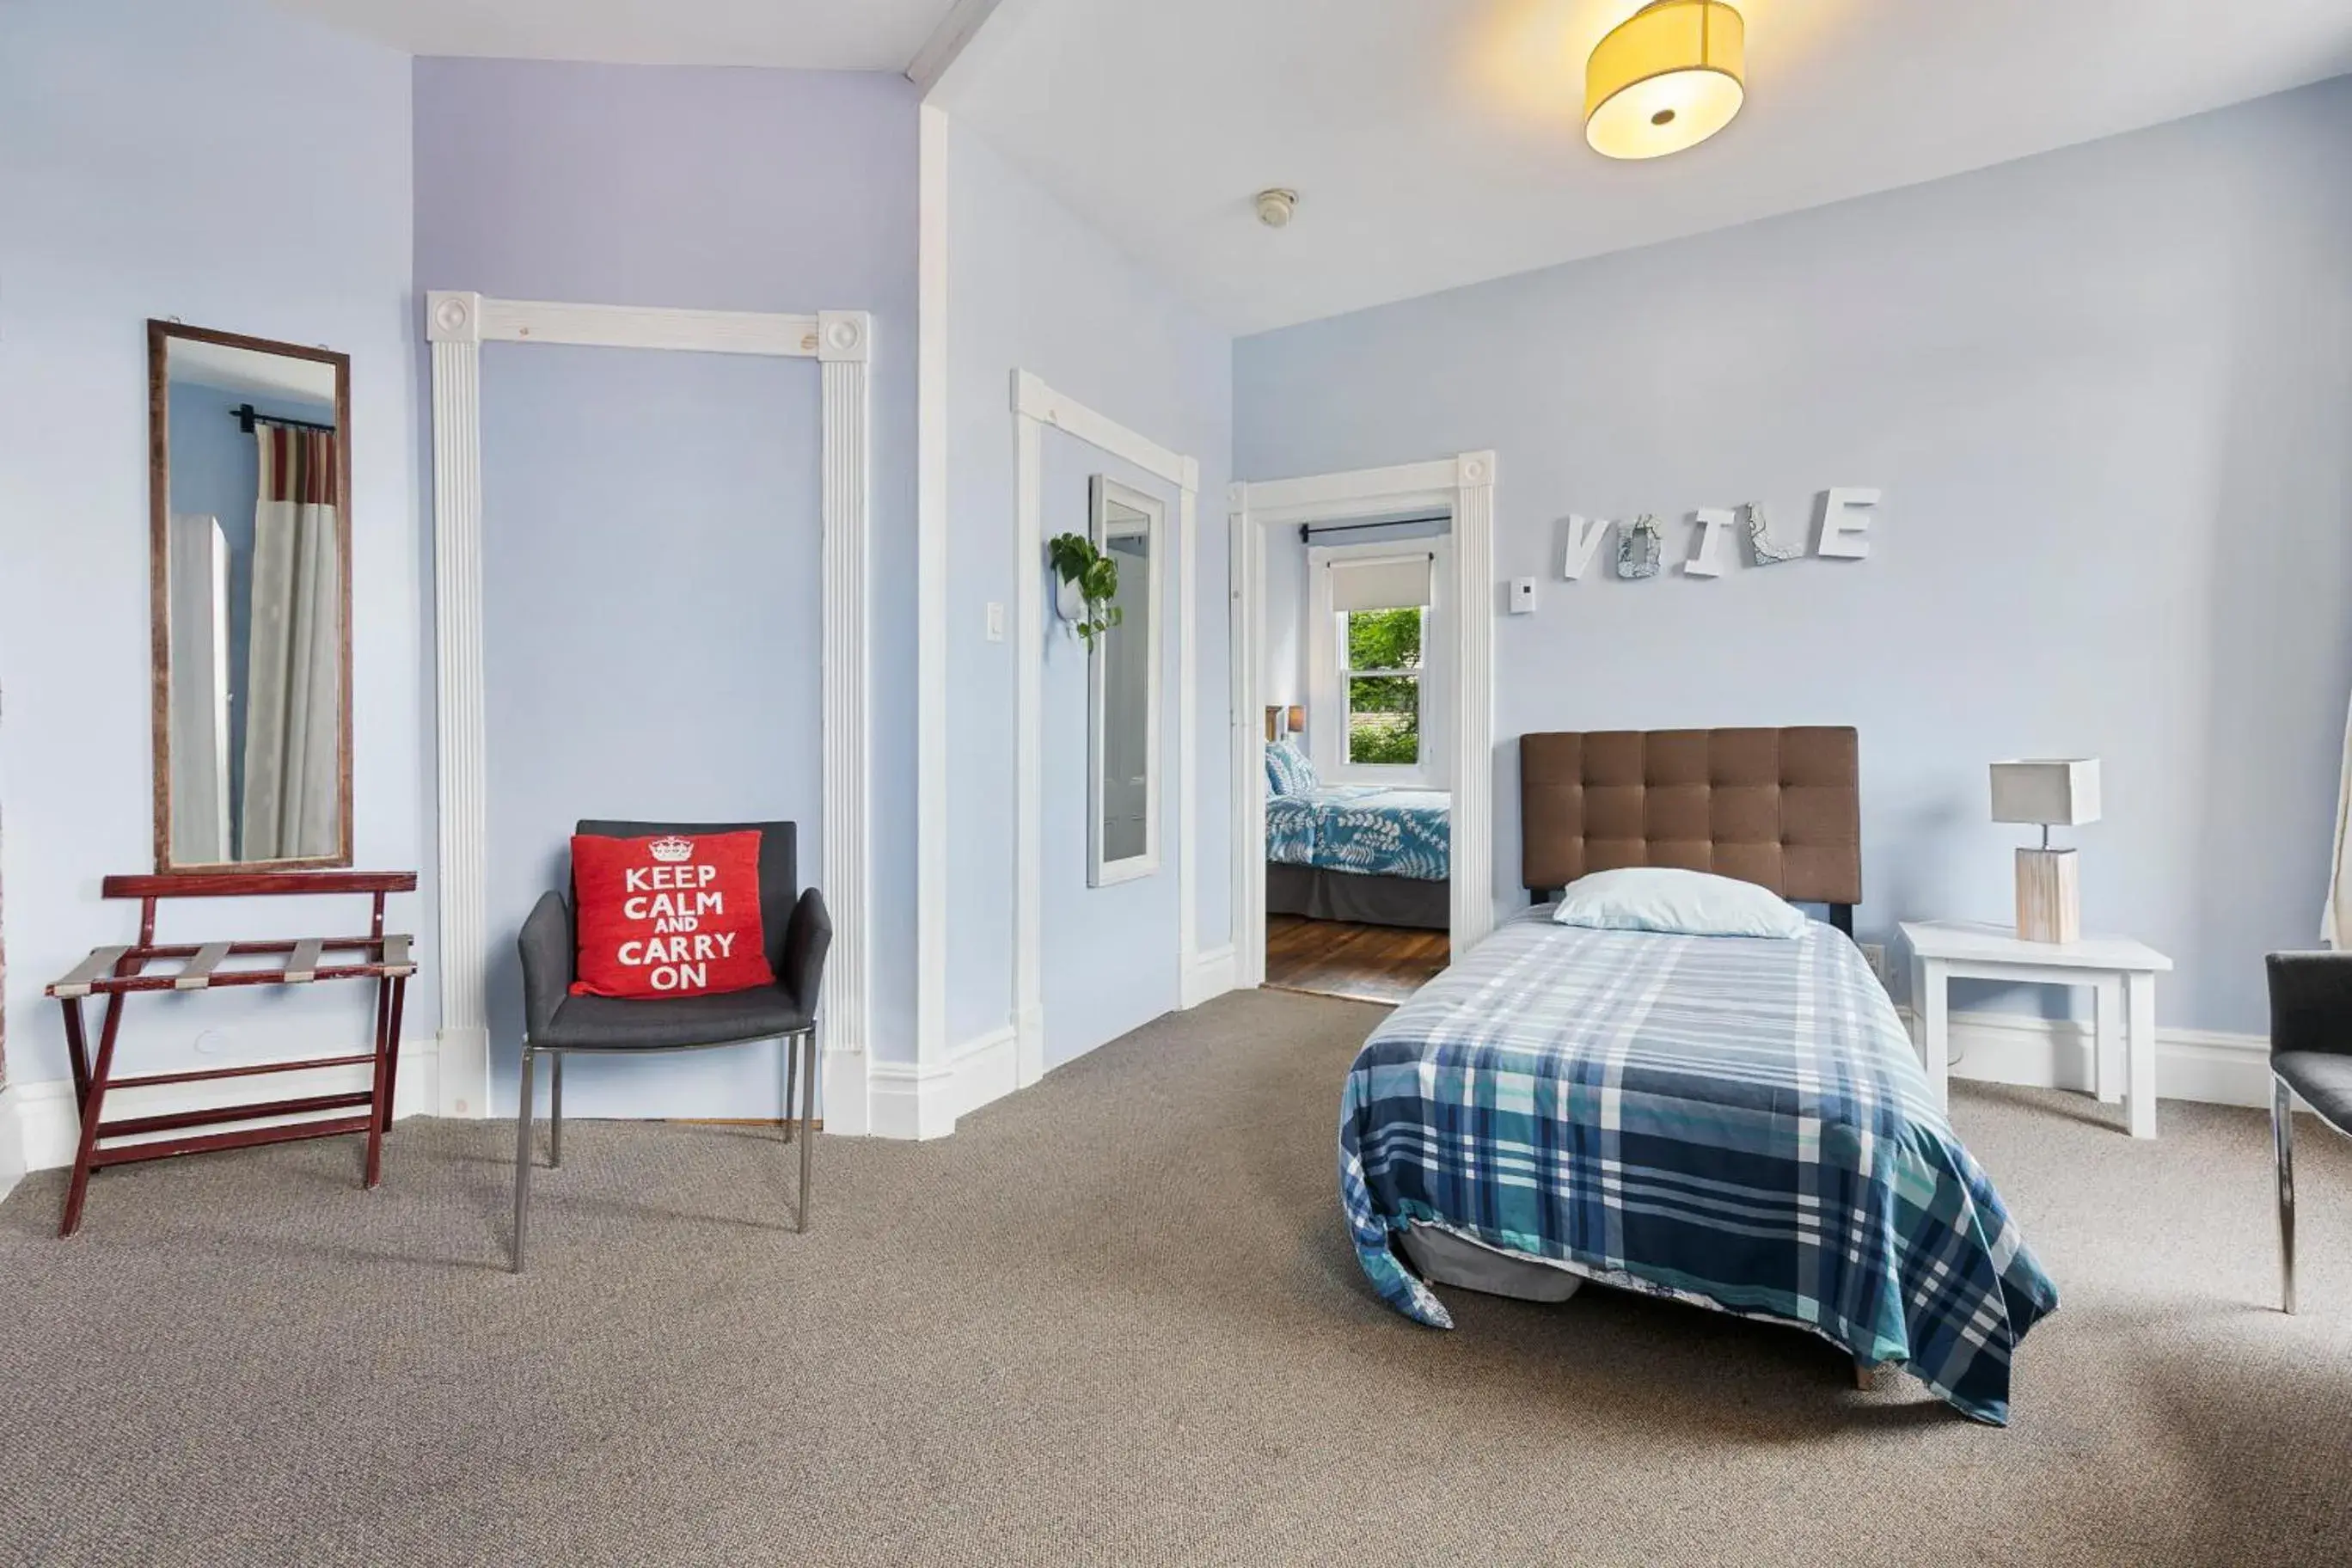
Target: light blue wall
[[1032, 288], [147, 148], [2107, 391], [1110, 953], [1283, 680], [651, 521], [652, 623]]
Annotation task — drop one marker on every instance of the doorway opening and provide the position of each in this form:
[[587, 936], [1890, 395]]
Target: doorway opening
[[1357, 625], [1363, 725]]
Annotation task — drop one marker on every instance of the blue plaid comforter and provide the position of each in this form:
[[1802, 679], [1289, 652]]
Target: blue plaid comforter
[[1365, 828], [1737, 1122]]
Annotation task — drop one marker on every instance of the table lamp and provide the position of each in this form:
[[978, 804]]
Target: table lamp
[[1297, 720], [2056, 792]]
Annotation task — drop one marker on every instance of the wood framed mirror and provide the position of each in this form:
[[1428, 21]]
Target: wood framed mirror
[[249, 579]]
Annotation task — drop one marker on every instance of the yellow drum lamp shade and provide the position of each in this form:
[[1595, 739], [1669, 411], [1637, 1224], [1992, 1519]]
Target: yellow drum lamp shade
[[1668, 77]]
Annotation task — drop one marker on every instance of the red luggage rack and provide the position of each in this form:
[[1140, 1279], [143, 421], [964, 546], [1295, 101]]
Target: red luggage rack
[[115, 972]]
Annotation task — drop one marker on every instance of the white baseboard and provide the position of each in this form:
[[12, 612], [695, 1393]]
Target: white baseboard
[[12, 1141], [914, 1099], [2055, 1053], [45, 1126], [917, 1101], [46, 1122], [1210, 975], [985, 1070], [463, 1091]]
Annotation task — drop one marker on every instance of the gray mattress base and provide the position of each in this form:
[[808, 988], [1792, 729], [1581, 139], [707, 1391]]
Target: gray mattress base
[[1445, 1259], [1322, 895]]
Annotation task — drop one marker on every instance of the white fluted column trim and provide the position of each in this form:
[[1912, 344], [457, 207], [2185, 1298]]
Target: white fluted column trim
[[453, 325], [844, 344]]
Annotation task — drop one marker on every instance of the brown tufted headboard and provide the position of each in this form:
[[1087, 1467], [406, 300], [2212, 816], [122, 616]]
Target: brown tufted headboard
[[1778, 807]]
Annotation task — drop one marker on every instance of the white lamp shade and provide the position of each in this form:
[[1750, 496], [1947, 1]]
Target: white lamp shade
[[2054, 793]]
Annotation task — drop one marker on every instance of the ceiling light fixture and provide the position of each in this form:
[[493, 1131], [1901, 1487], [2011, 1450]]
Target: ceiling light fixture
[[1666, 77]]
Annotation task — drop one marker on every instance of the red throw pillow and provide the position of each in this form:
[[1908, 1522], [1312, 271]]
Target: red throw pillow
[[671, 916]]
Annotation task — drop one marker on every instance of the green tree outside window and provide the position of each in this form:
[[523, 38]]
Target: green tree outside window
[[1384, 709]]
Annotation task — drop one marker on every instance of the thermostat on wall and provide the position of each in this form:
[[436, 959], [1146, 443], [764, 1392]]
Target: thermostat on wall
[[1523, 595]]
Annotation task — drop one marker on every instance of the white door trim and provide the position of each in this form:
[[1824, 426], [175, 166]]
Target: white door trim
[[1463, 486], [1036, 406], [456, 324]]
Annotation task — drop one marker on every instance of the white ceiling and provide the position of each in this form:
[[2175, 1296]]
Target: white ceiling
[[1437, 143], [815, 34]]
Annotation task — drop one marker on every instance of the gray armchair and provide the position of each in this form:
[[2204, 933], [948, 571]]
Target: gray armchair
[[2311, 1055], [796, 930]]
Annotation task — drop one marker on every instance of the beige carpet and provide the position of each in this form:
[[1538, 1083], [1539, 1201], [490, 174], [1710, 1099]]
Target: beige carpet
[[1114, 1319]]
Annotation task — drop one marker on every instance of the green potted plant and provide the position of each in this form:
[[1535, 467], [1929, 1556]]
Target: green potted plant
[[1086, 580]]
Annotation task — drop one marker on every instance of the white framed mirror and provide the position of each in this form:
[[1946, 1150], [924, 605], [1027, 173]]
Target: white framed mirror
[[1123, 690]]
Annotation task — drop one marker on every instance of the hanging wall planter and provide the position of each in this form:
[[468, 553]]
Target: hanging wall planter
[[1085, 581]]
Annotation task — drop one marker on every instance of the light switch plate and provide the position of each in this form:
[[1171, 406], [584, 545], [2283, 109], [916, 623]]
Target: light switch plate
[[1523, 595], [995, 621]]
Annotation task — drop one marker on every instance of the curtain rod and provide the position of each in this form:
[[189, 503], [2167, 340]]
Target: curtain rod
[[247, 416], [1308, 530]]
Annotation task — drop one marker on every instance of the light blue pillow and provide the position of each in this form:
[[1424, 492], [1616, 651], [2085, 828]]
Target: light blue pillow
[[1287, 771], [1686, 903]]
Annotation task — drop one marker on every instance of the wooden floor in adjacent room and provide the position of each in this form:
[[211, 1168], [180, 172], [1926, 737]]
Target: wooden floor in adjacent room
[[1339, 958]]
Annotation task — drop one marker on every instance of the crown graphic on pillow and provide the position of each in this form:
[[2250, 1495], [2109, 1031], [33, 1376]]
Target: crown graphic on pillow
[[672, 848]]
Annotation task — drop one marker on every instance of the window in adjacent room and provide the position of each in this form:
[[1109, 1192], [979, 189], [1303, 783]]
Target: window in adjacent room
[[1381, 650], [1375, 672]]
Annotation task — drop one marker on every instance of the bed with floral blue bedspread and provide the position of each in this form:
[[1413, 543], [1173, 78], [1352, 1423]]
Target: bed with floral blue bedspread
[[1367, 829]]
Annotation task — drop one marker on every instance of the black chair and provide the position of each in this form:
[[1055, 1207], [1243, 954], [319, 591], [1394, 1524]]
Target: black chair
[[796, 931], [2311, 1055]]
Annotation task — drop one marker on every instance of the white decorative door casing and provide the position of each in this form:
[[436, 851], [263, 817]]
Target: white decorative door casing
[[456, 324]]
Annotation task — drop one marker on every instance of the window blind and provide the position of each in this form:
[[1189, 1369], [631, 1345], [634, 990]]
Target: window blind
[[1388, 583]]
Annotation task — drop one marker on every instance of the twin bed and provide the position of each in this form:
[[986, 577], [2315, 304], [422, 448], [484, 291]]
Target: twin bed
[[1354, 852], [1739, 1122]]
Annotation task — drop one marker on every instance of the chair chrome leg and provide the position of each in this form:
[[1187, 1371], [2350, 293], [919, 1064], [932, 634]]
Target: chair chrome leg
[[522, 1164], [555, 1109], [808, 1113], [792, 1063], [2282, 1147]]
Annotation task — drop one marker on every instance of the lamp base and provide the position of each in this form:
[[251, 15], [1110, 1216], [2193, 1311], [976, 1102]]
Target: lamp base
[[2049, 896]]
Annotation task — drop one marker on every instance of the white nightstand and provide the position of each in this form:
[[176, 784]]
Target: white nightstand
[[2120, 973]]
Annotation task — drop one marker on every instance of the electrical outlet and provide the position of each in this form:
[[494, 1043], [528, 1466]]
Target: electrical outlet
[[995, 621], [1875, 954]]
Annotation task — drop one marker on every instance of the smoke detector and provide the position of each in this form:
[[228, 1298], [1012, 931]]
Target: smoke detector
[[1275, 206]]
